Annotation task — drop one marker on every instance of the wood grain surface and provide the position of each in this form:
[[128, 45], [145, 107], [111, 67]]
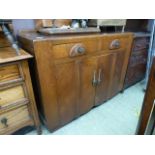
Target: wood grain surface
[[69, 86]]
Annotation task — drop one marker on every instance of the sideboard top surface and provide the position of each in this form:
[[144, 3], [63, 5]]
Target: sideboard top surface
[[34, 36]]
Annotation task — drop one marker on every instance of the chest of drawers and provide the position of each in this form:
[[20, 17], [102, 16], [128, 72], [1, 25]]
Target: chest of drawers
[[74, 73], [138, 60], [17, 103]]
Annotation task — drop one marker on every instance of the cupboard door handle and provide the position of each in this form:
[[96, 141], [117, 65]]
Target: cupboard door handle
[[99, 76], [4, 121], [94, 82]]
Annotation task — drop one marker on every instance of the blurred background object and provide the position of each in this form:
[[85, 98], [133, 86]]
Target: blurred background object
[[40, 23], [7, 31], [23, 24], [62, 22]]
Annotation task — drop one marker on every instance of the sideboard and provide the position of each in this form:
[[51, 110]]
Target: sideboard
[[74, 73]]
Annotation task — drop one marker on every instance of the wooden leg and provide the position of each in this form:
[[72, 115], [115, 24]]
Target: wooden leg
[[122, 91], [39, 130]]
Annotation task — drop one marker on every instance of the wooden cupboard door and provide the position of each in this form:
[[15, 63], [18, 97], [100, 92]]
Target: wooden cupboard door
[[119, 73], [88, 69], [106, 65], [66, 87]]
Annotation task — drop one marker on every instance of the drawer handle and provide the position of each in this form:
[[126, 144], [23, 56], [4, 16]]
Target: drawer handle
[[0, 105], [115, 44], [77, 50], [139, 45], [4, 121], [81, 50]]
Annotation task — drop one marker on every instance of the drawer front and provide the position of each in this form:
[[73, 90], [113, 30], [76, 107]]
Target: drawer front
[[140, 57], [140, 43], [11, 95], [135, 74], [114, 43], [12, 119], [75, 49], [9, 72]]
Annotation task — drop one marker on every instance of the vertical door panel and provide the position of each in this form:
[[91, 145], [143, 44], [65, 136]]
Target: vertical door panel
[[117, 75], [66, 91], [88, 67], [106, 64]]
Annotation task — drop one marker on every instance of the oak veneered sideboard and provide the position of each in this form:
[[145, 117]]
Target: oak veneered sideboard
[[73, 73]]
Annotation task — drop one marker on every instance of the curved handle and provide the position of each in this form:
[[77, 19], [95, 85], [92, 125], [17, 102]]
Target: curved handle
[[99, 76], [115, 44], [77, 50], [4, 121], [138, 45], [94, 82]]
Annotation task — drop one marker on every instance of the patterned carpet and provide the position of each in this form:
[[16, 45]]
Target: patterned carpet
[[118, 116]]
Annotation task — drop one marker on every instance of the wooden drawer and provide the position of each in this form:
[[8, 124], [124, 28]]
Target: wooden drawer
[[10, 72], [75, 49], [140, 43], [114, 43], [135, 74], [12, 95], [140, 57], [13, 119]]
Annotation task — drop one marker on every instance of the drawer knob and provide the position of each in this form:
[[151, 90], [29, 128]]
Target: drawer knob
[[77, 50], [4, 121], [115, 44], [81, 50]]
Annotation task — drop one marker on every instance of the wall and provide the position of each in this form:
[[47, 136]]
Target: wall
[[22, 24]]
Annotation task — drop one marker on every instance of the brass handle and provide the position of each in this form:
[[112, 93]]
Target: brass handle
[[4, 121], [94, 82], [99, 76]]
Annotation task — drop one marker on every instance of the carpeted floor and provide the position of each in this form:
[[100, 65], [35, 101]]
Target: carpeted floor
[[118, 116]]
